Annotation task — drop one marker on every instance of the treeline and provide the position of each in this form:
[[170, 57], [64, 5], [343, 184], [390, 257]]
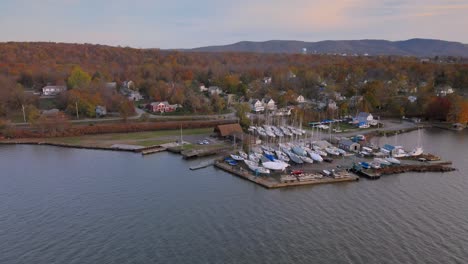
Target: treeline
[[384, 82]]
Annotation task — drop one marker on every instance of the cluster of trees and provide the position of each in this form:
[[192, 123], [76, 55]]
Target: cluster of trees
[[175, 77]]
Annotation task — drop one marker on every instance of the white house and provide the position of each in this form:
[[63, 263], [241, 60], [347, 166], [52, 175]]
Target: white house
[[134, 96], [363, 117], [212, 90], [332, 105], [128, 84], [52, 90], [444, 90], [257, 106], [203, 88], [300, 99], [267, 80], [412, 98], [100, 110], [269, 104]]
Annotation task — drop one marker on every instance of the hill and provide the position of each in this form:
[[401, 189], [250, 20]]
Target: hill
[[412, 47]]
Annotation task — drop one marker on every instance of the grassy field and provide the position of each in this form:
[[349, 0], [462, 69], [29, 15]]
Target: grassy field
[[145, 139]]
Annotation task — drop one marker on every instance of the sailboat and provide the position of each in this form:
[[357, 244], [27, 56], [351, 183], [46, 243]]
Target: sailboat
[[418, 150], [255, 168], [243, 154]]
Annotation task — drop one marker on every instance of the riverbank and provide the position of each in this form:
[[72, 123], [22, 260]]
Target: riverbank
[[139, 142]]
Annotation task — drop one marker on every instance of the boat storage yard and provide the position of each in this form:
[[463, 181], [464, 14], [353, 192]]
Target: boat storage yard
[[289, 157]]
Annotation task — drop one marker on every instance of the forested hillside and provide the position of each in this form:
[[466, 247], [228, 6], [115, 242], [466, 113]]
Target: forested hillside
[[173, 76]]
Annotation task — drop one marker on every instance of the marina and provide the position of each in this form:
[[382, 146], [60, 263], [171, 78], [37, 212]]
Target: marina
[[288, 180]]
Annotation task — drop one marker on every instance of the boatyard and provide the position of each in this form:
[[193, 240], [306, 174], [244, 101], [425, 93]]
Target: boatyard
[[289, 156]]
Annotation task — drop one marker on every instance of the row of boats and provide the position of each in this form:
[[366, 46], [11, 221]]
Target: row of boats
[[378, 163], [265, 159], [277, 131]]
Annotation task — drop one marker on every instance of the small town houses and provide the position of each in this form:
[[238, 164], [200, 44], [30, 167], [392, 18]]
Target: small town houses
[[260, 106], [53, 90], [162, 107]]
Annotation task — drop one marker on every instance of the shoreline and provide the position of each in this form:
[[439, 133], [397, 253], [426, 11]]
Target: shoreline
[[63, 145]]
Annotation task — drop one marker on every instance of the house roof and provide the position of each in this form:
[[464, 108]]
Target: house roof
[[363, 114], [62, 87], [347, 142], [228, 130]]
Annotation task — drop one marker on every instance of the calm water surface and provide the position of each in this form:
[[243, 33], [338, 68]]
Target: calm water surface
[[80, 206]]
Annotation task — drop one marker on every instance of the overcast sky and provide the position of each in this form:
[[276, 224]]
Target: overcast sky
[[194, 23]]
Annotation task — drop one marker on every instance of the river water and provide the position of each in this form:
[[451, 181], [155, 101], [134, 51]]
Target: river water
[[82, 206]]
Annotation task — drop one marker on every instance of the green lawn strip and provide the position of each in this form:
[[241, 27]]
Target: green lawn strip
[[138, 138]]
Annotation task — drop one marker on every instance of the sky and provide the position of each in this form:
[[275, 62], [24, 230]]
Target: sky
[[195, 23]]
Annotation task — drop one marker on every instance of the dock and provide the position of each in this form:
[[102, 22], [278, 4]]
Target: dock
[[197, 153], [202, 165], [367, 173], [152, 150], [289, 181]]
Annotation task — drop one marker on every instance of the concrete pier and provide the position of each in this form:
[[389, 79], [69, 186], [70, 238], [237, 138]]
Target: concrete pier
[[270, 183]]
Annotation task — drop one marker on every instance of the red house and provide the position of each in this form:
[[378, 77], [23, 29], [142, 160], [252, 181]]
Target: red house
[[161, 107]]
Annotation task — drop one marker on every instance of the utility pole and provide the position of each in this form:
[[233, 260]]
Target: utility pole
[[76, 107], [24, 113]]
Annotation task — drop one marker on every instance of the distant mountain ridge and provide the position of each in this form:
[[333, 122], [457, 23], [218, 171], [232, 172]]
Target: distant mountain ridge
[[411, 47]]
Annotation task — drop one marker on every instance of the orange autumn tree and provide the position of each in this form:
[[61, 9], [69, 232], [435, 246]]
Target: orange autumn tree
[[85, 100]]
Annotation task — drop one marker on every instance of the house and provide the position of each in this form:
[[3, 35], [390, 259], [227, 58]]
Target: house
[[256, 105], [269, 104], [363, 118], [100, 111], [128, 85], [52, 90], [332, 105], [300, 99], [444, 90], [229, 130], [212, 90], [339, 97], [267, 80], [412, 98], [230, 98], [162, 107], [349, 145], [134, 95], [203, 88]]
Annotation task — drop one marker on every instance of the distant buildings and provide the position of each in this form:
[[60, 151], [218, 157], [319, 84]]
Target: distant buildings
[[300, 99], [212, 90], [260, 106], [348, 145], [363, 118], [134, 96], [412, 98], [257, 105], [267, 80], [162, 107], [444, 90], [53, 90], [100, 111]]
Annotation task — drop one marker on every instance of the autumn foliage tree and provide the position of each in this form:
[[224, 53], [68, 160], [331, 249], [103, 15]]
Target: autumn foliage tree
[[438, 108], [78, 79]]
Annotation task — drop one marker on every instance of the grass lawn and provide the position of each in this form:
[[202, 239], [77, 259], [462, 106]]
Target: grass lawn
[[145, 139]]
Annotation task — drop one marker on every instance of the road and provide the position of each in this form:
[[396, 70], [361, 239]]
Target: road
[[139, 112]]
